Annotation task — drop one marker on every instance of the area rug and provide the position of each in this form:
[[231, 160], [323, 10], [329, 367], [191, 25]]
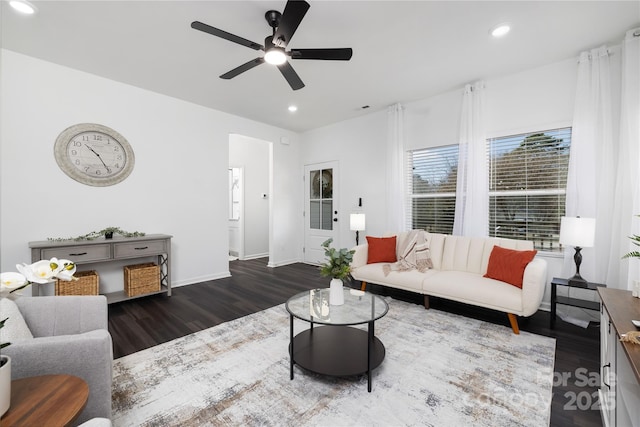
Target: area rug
[[440, 369]]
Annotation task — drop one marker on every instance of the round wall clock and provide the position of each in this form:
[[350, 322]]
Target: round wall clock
[[94, 154]]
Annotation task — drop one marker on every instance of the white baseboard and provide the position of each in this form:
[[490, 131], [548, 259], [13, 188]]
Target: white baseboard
[[282, 263], [194, 280], [255, 256]]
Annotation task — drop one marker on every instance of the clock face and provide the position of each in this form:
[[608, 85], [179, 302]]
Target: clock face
[[94, 154]]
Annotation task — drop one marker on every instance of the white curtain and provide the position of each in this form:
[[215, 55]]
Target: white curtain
[[621, 273], [472, 189], [603, 180], [396, 220], [591, 174]]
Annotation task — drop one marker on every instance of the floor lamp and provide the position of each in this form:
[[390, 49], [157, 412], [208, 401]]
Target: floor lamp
[[579, 233], [357, 224]]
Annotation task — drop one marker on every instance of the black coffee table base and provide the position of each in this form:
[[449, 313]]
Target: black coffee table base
[[337, 351]]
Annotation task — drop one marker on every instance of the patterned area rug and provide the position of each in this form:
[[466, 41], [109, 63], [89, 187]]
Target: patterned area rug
[[440, 369]]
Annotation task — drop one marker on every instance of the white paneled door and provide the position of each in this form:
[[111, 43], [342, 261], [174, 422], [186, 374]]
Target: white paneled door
[[321, 209]]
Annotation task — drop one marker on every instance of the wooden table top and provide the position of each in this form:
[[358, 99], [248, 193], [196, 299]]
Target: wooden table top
[[51, 400]]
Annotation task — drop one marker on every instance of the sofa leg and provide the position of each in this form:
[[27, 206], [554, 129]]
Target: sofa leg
[[426, 302], [514, 323], [363, 286]]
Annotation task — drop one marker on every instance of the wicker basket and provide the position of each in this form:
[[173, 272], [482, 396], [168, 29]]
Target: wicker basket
[[141, 279], [87, 284]]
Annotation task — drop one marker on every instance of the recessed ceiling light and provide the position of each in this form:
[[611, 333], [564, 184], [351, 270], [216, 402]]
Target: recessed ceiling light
[[293, 108], [23, 6], [500, 30]]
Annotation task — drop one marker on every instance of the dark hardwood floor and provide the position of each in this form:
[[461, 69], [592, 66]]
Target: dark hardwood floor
[[141, 323]]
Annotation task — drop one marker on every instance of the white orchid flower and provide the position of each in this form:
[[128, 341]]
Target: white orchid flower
[[66, 269], [12, 280], [38, 272], [41, 272]]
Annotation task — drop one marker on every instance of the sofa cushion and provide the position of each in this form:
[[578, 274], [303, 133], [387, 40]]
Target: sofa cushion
[[471, 288], [15, 328], [508, 265], [410, 280], [381, 249]]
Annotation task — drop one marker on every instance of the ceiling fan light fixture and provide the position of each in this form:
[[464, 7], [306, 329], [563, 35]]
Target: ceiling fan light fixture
[[275, 56], [23, 6], [500, 30]]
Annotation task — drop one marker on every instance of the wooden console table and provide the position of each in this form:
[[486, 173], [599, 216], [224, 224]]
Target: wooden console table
[[619, 394], [47, 400], [100, 251]]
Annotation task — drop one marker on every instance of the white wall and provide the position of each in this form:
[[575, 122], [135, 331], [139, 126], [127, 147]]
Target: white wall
[[357, 145], [178, 186], [537, 99], [252, 156]]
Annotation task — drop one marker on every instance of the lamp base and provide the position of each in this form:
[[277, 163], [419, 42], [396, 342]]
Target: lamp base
[[578, 282]]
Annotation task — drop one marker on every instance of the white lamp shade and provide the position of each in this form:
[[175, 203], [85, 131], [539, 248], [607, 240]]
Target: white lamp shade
[[576, 231], [357, 222]]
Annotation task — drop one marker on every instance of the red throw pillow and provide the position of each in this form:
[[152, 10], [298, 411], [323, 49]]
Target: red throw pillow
[[381, 249], [508, 265]]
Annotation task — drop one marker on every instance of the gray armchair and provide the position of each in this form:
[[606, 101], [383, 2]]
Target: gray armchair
[[70, 337]]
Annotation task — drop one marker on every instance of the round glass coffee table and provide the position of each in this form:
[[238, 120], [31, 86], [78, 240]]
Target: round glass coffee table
[[336, 348]]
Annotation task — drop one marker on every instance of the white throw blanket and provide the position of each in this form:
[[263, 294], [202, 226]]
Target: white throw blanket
[[413, 254]]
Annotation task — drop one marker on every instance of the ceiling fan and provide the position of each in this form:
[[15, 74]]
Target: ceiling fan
[[284, 25]]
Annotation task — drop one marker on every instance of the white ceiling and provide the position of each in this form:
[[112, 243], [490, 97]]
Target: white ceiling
[[403, 50]]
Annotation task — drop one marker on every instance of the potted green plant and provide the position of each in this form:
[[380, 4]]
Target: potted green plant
[[338, 267], [635, 239]]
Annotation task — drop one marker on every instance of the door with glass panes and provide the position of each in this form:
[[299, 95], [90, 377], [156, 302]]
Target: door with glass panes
[[321, 209]]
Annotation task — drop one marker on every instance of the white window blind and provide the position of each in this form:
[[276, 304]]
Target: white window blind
[[431, 183], [527, 186]]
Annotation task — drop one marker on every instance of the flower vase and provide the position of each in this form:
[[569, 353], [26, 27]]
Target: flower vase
[[5, 384], [336, 295]]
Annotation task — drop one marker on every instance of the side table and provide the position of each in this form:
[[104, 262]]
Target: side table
[[47, 400], [574, 302]]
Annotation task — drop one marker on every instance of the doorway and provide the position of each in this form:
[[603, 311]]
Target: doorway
[[236, 214], [321, 209], [250, 161]]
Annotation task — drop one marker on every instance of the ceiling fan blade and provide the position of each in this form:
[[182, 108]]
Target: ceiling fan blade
[[241, 69], [340, 54], [293, 13], [197, 25], [291, 76]]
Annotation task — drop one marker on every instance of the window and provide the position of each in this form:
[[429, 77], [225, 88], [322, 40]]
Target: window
[[527, 186], [431, 182]]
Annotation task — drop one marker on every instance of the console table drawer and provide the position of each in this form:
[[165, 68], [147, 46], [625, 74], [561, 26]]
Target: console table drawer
[[139, 249], [79, 254]]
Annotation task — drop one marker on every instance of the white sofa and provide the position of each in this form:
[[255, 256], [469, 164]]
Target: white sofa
[[459, 264]]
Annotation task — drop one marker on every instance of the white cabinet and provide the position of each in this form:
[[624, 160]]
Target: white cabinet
[[607, 370], [627, 391], [620, 362]]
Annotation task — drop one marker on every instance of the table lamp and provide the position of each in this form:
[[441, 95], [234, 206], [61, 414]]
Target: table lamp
[[579, 233], [357, 224]]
